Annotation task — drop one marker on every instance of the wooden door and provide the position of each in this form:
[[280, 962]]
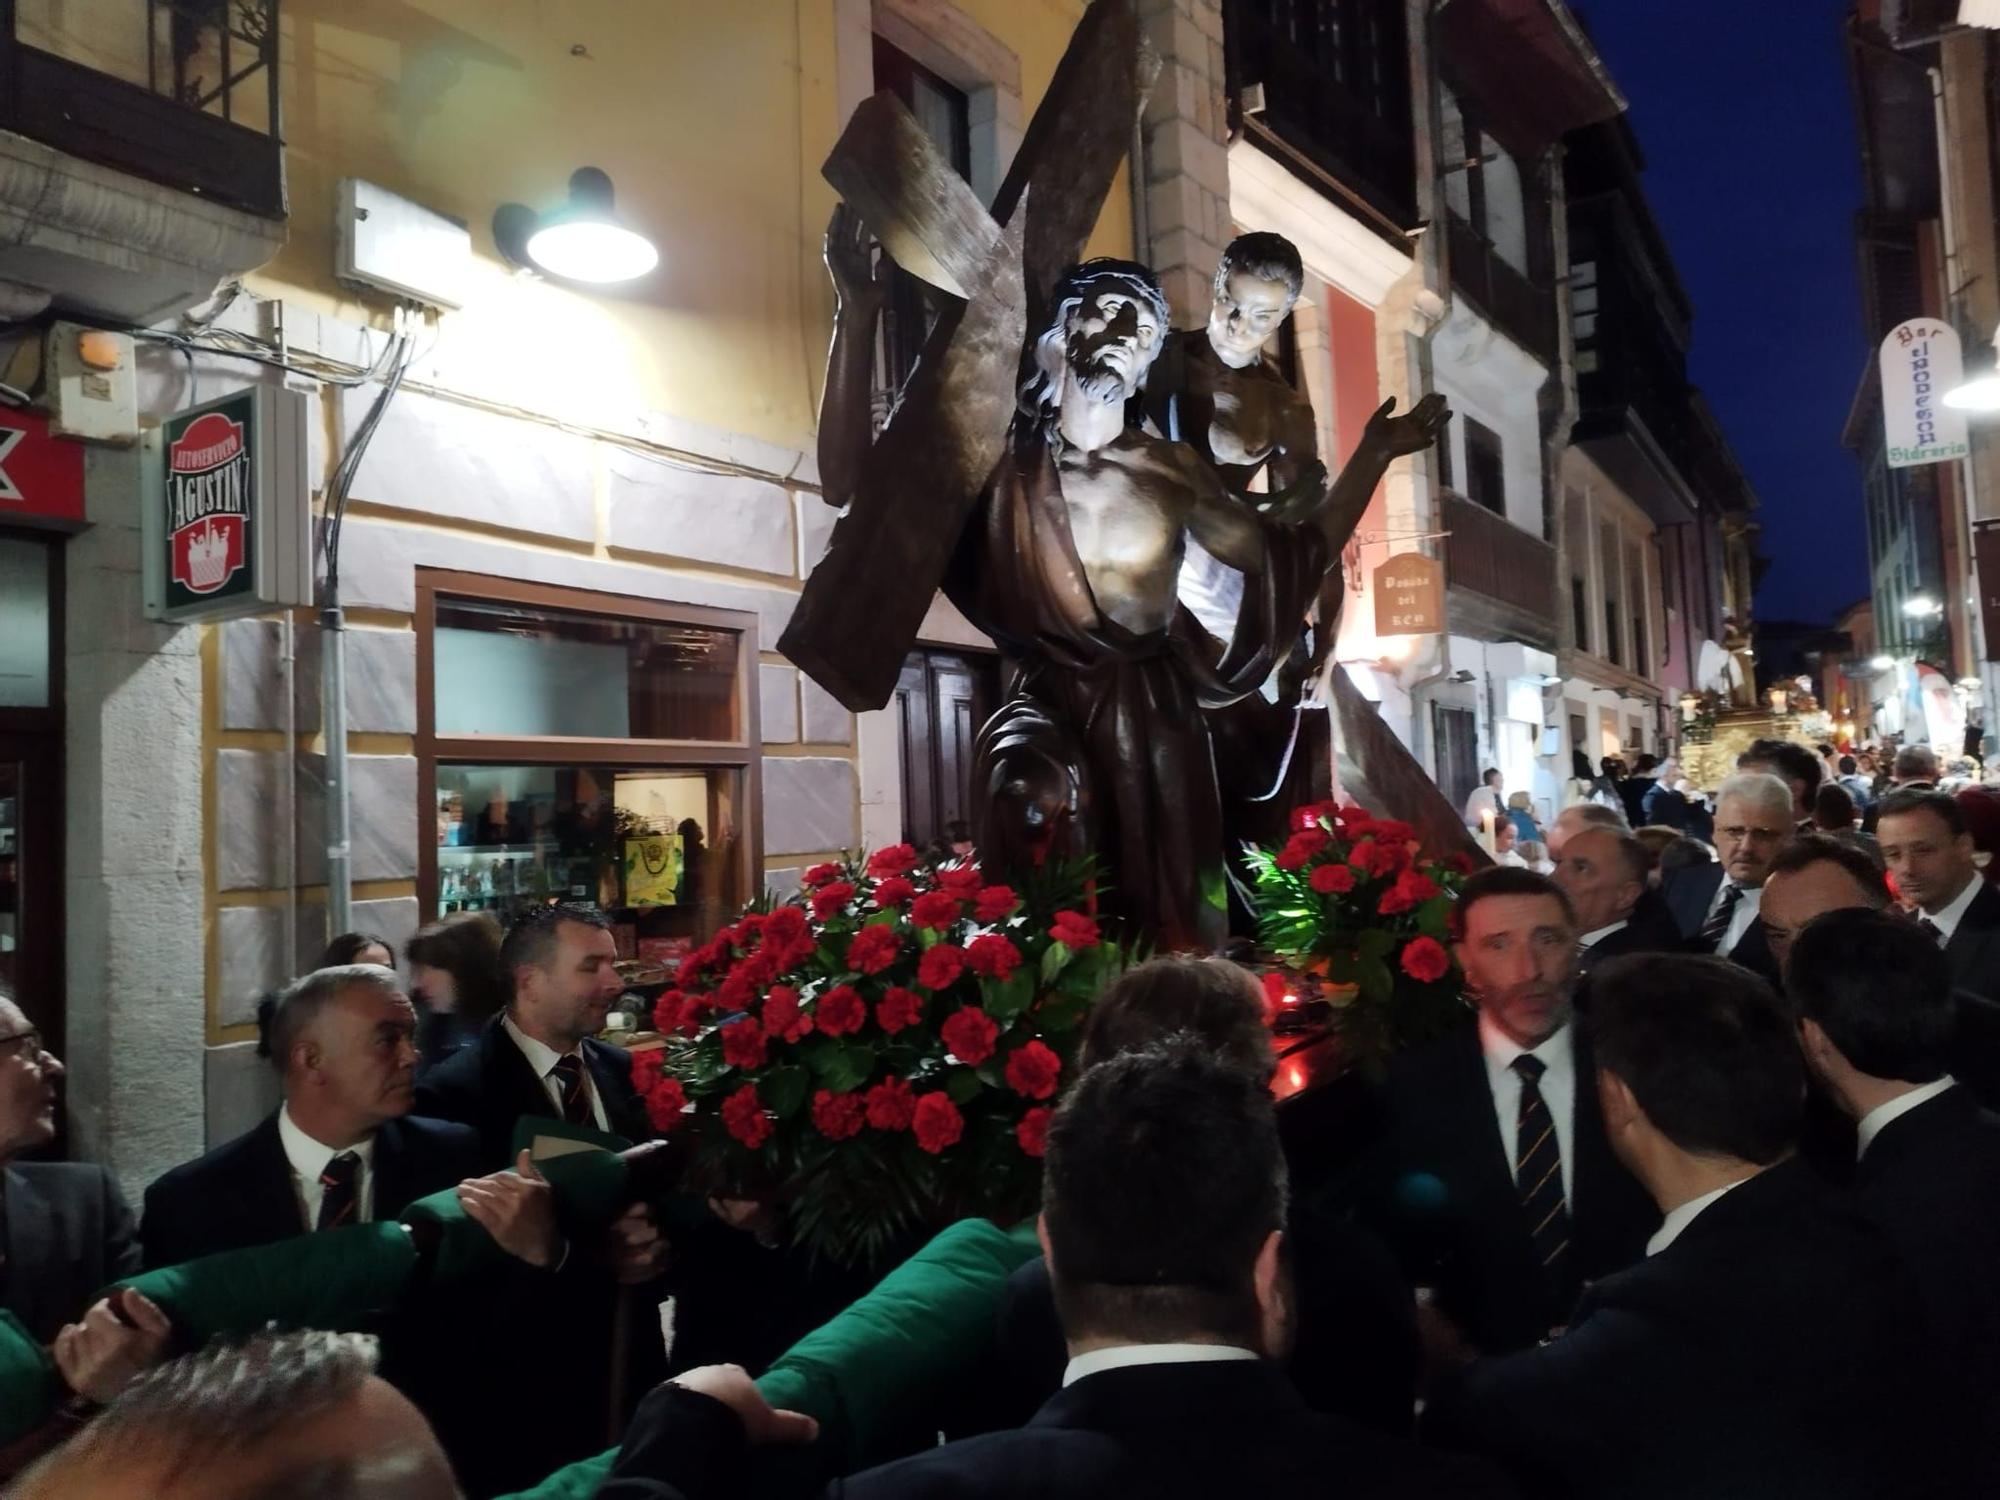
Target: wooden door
[[942, 699]]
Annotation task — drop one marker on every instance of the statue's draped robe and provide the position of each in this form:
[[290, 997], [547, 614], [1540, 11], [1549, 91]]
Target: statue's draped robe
[[1103, 745]]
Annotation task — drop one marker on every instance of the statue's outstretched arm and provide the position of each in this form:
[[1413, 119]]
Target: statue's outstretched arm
[[1385, 439], [845, 431]]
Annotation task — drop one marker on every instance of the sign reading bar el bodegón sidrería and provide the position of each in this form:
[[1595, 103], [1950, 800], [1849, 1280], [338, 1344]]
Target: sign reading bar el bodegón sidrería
[[1920, 361], [1409, 595], [229, 523]]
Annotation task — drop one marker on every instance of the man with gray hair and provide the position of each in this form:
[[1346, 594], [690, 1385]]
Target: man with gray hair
[[1714, 906], [303, 1415]]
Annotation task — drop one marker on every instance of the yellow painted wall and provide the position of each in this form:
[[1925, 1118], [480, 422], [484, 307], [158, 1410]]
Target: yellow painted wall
[[711, 119]]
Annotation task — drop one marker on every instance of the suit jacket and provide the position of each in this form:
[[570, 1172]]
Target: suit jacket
[[1687, 893], [1974, 949], [489, 1085], [1650, 929], [1771, 1349], [1931, 1180], [68, 1235], [1159, 1431], [241, 1194], [1355, 1340], [1444, 1195]]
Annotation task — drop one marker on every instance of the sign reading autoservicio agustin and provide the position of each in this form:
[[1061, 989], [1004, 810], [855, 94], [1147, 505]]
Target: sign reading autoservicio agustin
[[229, 508], [1409, 595], [1920, 361]]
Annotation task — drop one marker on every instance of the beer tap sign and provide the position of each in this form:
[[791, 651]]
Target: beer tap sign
[[228, 514]]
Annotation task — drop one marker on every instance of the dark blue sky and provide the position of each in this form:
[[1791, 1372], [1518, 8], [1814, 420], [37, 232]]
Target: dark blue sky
[[1752, 167]]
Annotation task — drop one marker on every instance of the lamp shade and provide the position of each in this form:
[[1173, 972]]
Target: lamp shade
[[584, 240]]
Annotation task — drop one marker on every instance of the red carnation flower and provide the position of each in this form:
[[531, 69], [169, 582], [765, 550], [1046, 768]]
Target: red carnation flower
[[1332, 880], [873, 949], [744, 1118], [1390, 831], [900, 1009], [1301, 849], [838, 1116], [669, 1011], [747, 931], [934, 909], [758, 970], [1425, 960], [970, 1034], [961, 880], [891, 1105], [1033, 1070], [939, 968], [829, 901], [937, 1123], [840, 1011], [1033, 1131], [1410, 888], [819, 875], [743, 1044], [666, 1101], [1460, 861], [897, 859], [993, 956], [1074, 930], [995, 902], [893, 892], [782, 1016], [1369, 858], [785, 926]]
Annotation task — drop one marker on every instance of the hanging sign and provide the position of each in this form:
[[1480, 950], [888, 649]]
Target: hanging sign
[[1920, 361], [228, 513], [41, 476], [1409, 596]]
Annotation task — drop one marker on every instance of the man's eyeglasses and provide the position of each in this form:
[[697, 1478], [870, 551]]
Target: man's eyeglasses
[[23, 1046]]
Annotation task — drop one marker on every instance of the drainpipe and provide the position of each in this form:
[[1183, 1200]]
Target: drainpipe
[[333, 719]]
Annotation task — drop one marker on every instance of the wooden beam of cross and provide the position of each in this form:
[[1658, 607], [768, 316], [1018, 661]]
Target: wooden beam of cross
[[864, 603]]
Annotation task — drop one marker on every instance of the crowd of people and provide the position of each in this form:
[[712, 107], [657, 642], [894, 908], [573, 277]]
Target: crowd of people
[[1702, 1200]]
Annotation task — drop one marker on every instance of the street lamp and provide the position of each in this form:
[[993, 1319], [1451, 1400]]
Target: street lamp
[[1923, 606], [583, 240]]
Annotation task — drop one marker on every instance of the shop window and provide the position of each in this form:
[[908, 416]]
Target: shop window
[[586, 748]]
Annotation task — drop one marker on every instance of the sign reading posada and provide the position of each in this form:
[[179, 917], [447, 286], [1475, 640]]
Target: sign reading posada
[[229, 523], [1409, 596]]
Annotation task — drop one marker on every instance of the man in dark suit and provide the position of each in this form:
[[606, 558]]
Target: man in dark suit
[[1606, 874], [65, 1232], [1768, 1343], [1877, 1022], [1914, 769], [1355, 1350], [1796, 766], [1714, 906], [1929, 852], [1810, 876], [1494, 1182], [343, 1148], [1163, 1215]]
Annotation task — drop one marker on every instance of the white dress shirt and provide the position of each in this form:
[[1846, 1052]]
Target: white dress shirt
[[1125, 1356], [1598, 934], [1484, 800], [543, 1059], [1871, 1123], [1739, 920], [1672, 1225], [309, 1158], [1947, 920], [1558, 1085]]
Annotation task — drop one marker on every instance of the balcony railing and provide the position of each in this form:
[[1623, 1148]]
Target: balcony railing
[[1335, 75], [1513, 303], [1490, 555], [181, 92]]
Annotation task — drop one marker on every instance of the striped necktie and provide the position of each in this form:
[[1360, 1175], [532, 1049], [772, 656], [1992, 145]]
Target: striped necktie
[[1717, 925], [339, 1191], [1538, 1178], [1931, 930], [568, 1074]]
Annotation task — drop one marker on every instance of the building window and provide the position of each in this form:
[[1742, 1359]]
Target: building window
[[1485, 469], [581, 747], [1609, 557], [1579, 611], [1642, 659], [945, 115]]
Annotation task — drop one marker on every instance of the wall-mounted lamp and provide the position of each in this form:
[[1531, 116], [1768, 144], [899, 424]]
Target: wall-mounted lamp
[[1881, 663], [1922, 607], [584, 240], [1981, 392]]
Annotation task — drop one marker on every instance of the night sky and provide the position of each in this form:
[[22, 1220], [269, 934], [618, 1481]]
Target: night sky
[[1752, 168]]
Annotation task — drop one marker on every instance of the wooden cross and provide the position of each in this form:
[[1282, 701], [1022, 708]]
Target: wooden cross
[[864, 603]]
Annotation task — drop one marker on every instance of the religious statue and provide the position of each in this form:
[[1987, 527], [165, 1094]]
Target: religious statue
[[1013, 472], [1741, 668]]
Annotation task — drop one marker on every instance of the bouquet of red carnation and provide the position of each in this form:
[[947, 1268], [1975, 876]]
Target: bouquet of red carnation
[[882, 1053], [1351, 898]]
